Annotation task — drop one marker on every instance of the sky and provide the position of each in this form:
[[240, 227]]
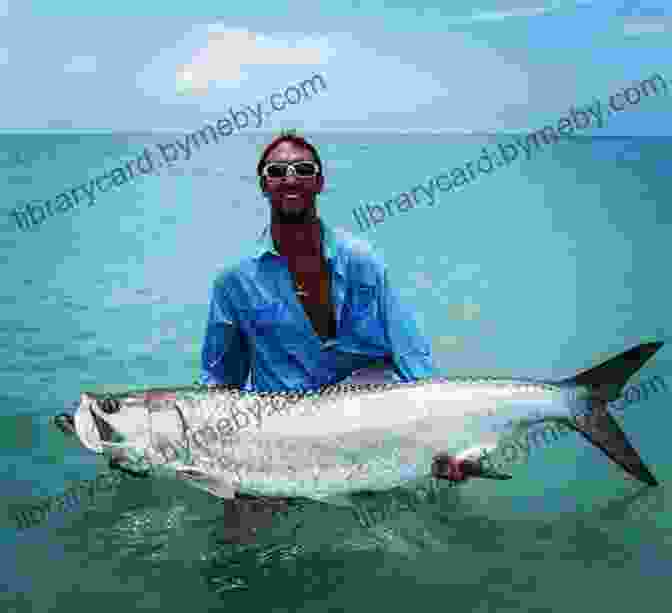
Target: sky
[[472, 67]]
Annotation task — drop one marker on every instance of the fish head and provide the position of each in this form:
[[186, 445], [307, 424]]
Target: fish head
[[104, 426]]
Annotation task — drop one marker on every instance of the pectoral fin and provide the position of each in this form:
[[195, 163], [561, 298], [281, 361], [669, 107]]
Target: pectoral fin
[[217, 486]]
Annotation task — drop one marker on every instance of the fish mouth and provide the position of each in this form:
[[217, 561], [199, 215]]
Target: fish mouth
[[83, 424], [66, 424]]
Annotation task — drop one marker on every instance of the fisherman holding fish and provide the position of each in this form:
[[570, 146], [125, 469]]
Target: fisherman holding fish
[[312, 305]]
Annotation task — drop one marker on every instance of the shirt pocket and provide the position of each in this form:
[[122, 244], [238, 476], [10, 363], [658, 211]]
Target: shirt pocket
[[364, 313], [268, 314], [272, 320]]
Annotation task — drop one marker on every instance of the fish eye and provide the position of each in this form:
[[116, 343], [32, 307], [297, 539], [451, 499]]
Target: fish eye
[[110, 406]]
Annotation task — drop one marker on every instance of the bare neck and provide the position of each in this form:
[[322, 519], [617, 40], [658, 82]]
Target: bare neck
[[298, 239]]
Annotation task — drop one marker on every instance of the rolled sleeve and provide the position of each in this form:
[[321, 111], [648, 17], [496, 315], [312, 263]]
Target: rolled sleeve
[[411, 353], [225, 358]]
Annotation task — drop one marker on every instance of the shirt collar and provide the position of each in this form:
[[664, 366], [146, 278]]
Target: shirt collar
[[265, 244]]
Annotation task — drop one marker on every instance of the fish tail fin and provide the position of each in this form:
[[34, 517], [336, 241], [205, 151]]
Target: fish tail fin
[[604, 383], [606, 380]]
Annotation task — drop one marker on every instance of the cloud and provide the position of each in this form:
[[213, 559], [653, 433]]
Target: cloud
[[4, 56], [637, 27], [81, 64], [512, 13], [500, 15], [226, 51], [383, 90], [4, 8]]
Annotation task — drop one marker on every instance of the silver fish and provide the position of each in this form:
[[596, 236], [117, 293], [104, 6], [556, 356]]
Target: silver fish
[[343, 438]]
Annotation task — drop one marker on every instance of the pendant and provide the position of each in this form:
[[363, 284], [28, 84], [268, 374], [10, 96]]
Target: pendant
[[300, 290]]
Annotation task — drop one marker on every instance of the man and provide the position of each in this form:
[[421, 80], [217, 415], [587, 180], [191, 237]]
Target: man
[[312, 305]]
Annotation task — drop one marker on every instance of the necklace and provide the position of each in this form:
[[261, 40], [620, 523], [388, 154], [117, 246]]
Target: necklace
[[300, 289]]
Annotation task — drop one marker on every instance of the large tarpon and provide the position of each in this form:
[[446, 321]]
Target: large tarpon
[[343, 438]]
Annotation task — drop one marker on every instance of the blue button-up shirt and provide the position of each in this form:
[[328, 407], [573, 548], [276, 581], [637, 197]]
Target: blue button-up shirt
[[259, 337]]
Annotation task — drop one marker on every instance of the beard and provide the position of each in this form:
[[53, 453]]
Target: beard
[[291, 214], [293, 217]]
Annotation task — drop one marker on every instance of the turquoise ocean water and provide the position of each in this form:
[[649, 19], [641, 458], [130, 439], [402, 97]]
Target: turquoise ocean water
[[540, 268]]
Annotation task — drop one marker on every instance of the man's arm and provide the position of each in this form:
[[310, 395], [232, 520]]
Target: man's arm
[[225, 357], [411, 353]]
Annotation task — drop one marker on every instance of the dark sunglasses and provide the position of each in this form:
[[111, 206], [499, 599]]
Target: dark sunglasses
[[279, 170]]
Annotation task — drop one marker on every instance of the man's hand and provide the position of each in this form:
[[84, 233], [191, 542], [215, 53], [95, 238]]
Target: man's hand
[[451, 468], [458, 469]]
